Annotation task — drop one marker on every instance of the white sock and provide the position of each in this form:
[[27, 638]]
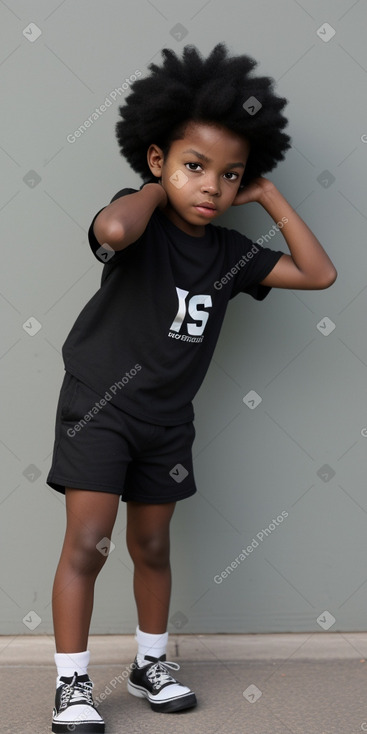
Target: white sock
[[69, 663], [148, 644]]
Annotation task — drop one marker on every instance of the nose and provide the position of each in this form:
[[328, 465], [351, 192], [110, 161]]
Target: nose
[[210, 185]]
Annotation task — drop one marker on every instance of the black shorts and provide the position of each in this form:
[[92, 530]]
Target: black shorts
[[108, 450]]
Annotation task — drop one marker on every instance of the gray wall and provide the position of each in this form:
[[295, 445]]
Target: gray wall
[[302, 450]]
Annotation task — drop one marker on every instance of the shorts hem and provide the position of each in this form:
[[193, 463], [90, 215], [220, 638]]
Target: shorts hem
[[159, 500], [59, 484]]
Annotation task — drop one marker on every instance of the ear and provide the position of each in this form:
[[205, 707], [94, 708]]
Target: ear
[[155, 160]]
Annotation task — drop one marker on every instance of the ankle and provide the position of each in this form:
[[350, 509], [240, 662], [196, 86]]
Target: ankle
[[150, 644], [72, 662]]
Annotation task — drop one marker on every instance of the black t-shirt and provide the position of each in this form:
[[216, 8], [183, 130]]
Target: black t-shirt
[[146, 337]]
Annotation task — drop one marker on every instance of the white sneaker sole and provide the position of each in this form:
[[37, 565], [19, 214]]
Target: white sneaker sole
[[176, 703]]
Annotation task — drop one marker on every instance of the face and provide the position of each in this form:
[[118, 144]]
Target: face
[[201, 174]]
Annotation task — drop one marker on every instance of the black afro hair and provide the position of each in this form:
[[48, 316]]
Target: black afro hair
[[212, 90]]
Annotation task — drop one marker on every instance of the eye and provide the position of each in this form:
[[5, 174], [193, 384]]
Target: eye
[[232, 174], [193, 164]]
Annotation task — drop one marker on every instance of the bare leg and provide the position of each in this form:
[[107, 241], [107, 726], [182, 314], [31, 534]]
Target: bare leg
[[90, 517], [147, 539]]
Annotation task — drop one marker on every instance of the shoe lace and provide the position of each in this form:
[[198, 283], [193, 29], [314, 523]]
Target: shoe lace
[[76, 692], [158, 673]]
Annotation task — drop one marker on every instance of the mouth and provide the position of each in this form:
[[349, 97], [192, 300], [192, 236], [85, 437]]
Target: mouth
[[206, 207]]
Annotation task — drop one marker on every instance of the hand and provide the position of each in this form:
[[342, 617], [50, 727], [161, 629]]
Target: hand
[[253, 192]]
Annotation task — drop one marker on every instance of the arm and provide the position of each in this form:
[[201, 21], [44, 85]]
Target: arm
[[308, 266], [125, 219]]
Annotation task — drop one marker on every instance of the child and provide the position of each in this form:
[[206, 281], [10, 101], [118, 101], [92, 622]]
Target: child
[[201, 133]]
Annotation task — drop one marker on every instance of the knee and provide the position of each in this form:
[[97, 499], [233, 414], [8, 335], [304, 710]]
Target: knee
[[87, 553], [150, 550]]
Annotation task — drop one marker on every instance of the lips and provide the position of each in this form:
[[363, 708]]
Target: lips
[[207, 205]]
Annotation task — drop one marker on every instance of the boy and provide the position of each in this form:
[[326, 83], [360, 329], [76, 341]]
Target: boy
[[201, 133]]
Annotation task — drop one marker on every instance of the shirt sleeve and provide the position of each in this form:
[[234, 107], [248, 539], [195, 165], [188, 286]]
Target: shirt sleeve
[[104, 255], [254, 265]]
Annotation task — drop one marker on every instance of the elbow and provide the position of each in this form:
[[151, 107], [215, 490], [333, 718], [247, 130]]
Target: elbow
[[329, 279], [108, 232]]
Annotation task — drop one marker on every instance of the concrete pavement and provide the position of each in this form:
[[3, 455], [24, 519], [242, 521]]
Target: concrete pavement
[[311, 683]]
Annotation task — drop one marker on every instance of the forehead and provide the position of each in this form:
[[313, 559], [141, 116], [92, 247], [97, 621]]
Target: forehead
[[214, 141]]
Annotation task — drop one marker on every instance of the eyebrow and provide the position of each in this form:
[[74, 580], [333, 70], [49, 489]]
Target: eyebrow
[[208, 160]]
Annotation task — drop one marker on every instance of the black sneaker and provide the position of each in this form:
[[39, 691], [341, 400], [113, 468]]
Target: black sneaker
[[154, 682], [74, 707]]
